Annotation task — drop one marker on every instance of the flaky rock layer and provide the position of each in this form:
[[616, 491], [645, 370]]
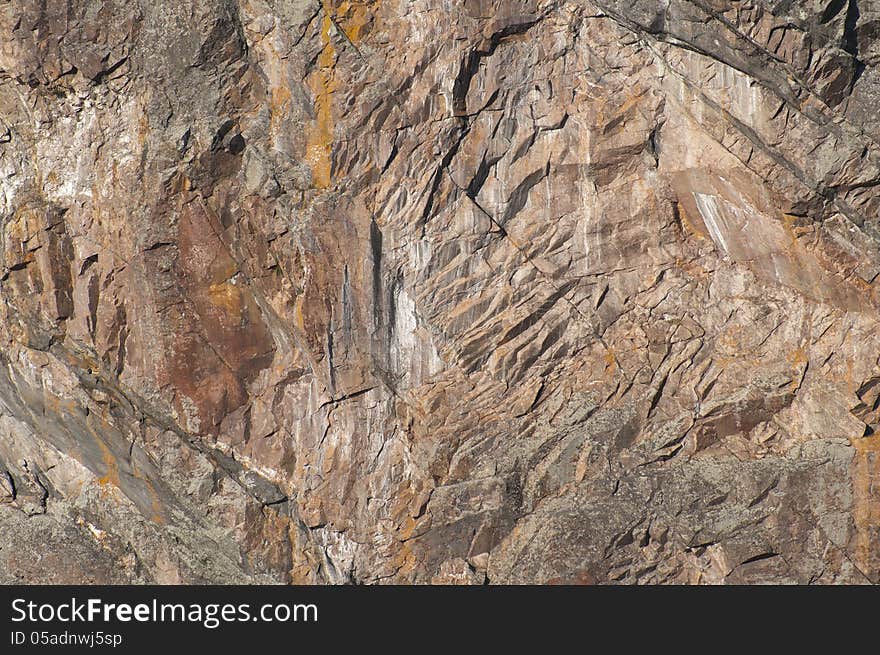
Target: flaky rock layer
[[405, 291]]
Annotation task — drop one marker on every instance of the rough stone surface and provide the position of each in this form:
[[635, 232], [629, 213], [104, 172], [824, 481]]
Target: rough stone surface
[[406, 291]]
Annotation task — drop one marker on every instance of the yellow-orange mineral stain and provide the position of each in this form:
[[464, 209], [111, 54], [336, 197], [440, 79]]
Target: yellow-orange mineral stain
[[111, 476], [226, 296], [224, 293], [352, 18], [687, 224], [610, 358], [323, 83], [798, 357]]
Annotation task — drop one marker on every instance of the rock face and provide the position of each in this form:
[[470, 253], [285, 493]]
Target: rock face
[[405, 291]]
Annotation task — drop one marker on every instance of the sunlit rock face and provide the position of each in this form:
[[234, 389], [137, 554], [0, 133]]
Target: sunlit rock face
[[405, 291]]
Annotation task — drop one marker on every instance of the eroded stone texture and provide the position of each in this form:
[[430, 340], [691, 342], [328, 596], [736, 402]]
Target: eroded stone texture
[[468, 292]]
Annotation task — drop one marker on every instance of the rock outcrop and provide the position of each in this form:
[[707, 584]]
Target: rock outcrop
[[482, 291]]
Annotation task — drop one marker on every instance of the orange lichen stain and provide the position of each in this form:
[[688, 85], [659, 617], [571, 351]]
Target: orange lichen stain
[[860, 284], [298, 313], [788, 225], [409, 527], [227, 296], [111, 476], [223, 291], [692, 268], [354, 16], [404, 560], [866, 509], [686, 223], [610, 358], [799, 357], [323, 83]]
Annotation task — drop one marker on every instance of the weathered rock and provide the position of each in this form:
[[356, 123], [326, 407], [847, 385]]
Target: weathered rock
[[476, 292]]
